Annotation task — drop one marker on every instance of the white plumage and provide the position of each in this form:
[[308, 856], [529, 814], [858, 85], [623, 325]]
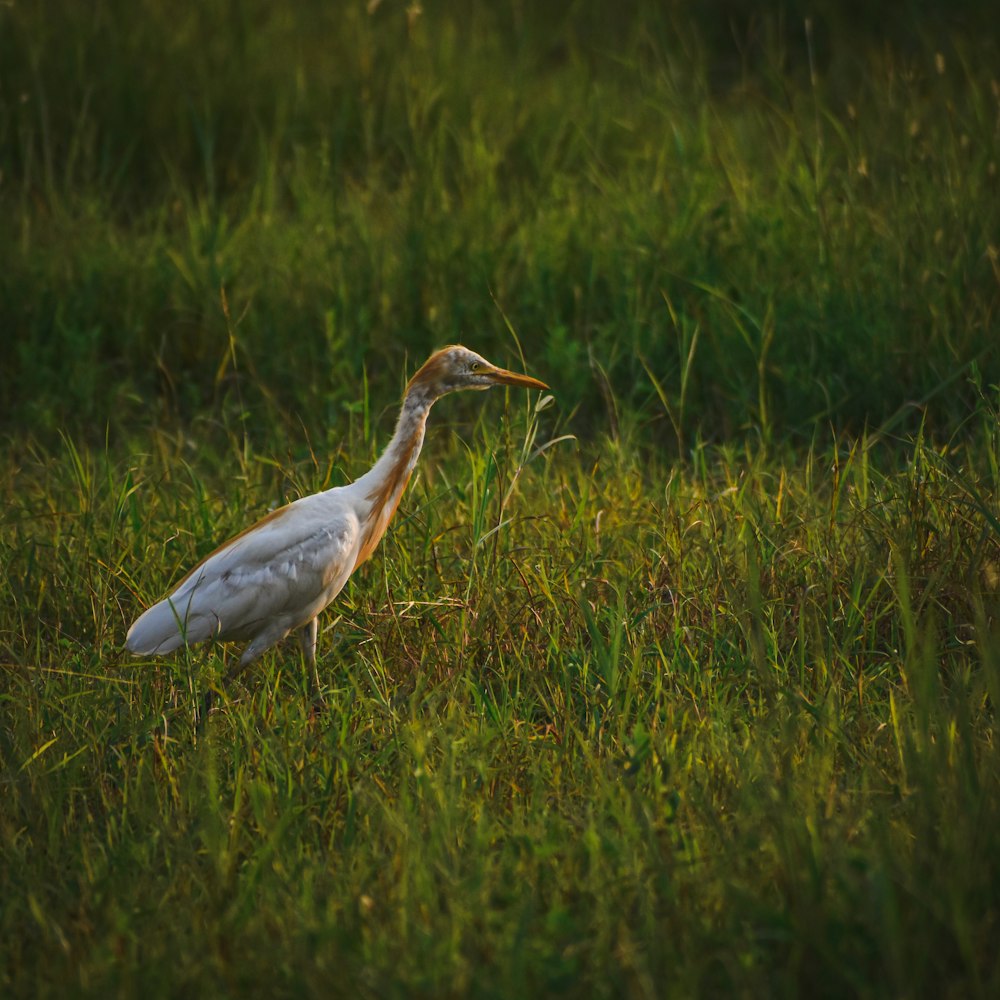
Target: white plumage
[[260, 582], [278, 575]]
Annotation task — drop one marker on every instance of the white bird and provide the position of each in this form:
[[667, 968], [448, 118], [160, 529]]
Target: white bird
[[275, 577]]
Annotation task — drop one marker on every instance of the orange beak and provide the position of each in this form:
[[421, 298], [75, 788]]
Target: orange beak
[[503, 377]]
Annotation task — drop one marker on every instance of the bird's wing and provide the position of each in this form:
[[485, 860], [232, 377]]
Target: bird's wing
[[281, 572]]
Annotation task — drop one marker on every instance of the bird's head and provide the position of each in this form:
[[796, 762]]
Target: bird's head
[[456, 367]]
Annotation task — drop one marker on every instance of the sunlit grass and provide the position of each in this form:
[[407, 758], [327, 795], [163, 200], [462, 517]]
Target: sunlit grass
[[729, 723]]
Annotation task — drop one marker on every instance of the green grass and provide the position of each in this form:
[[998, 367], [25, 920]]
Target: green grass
[[683, 683], [723, 728]]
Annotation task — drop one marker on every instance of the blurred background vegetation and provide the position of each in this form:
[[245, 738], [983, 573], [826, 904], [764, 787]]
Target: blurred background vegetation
[[717, 217], [613, 724]]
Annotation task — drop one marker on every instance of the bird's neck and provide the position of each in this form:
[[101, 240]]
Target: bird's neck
[[381, 488]]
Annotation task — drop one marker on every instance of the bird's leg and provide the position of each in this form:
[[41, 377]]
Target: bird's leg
[[204, 709], [249, 656], [260, 645], [208, 700], [307, 638]]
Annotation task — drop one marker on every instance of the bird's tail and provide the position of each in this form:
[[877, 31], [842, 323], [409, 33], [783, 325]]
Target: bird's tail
[[165, 627]]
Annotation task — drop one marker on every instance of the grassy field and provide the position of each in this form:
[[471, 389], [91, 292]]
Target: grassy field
[[681, 682]]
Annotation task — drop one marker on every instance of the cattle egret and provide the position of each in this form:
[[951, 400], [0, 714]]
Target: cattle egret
[[279, 574]]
